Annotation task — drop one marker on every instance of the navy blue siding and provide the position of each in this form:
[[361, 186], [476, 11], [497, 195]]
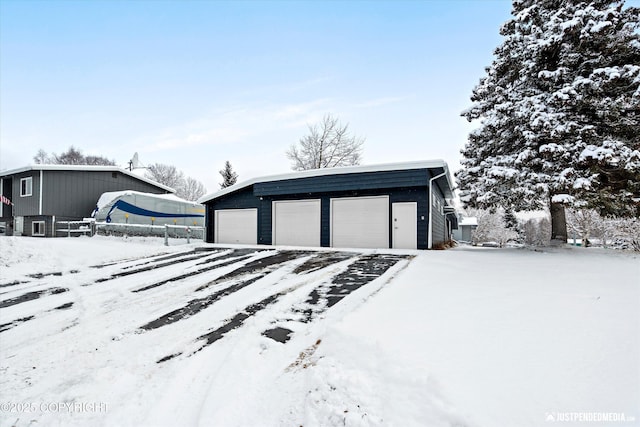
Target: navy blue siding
[[438, 219], [264, 222], [325, 221], [344, 182]]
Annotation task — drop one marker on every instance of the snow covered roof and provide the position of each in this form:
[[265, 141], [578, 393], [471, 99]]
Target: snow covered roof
[[472, 220], [425, 164], [88, 168], [108, 197]]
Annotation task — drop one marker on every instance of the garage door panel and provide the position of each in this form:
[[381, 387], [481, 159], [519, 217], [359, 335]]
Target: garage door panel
[[296, 222], [237, 226], [360, 222]]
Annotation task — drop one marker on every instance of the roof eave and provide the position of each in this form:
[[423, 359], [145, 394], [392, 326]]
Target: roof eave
[[425, 164], [85, 168]]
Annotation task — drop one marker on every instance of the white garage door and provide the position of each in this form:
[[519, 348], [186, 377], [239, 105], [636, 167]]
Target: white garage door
[[360, 222], [296, 222], [236, 226]]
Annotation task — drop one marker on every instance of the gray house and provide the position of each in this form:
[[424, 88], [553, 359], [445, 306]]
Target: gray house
[[401, 205], [466, 227], [44, 194]]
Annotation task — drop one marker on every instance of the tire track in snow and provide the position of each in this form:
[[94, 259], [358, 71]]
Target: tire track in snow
[[322, 260], [359, 273], [236, 255], [256, 269], [30, 296], [153, 266], [234, 323], [266, 264], [362, 271], [163, 257], [127, 260], [14, 323], [14, 283]]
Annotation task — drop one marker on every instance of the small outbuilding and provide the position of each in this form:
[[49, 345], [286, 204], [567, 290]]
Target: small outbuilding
[[466, 227], [36, 197], [400, 205]]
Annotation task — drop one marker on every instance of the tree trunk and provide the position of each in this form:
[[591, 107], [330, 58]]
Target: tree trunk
[[558, 224]]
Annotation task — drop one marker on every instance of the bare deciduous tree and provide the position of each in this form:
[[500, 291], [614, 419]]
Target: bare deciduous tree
[[73, 156], [329, 144], [583, 223], [42, 157], [165, 174], [192, 189], [185, 186]]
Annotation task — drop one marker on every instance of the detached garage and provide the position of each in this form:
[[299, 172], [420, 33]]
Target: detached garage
[[401, 205]]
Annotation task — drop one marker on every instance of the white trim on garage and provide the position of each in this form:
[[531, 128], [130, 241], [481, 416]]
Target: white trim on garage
[[236, 226], [360, 222], [296, 222]]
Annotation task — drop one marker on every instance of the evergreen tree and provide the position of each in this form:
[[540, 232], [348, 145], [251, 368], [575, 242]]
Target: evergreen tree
[[511, 223], [510, 220], [229, 177], [560, 111]]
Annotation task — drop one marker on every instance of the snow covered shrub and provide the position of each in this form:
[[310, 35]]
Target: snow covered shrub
[[492, 228], [585, 223], [626, 234]]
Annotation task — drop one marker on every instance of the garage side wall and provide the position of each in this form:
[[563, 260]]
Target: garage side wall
[[438, 218]]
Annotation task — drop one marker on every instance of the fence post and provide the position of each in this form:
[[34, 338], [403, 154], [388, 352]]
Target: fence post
[[68, 229], [188, 235], [166, 235]]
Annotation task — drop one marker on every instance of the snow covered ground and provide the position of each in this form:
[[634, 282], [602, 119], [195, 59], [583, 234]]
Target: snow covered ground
[[128, 332]]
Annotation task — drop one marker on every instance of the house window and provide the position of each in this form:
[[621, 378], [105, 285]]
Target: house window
[[26, 187], [37, 228]]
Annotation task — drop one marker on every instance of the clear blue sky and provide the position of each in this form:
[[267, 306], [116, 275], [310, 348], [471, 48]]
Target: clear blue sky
[[195, 83]]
